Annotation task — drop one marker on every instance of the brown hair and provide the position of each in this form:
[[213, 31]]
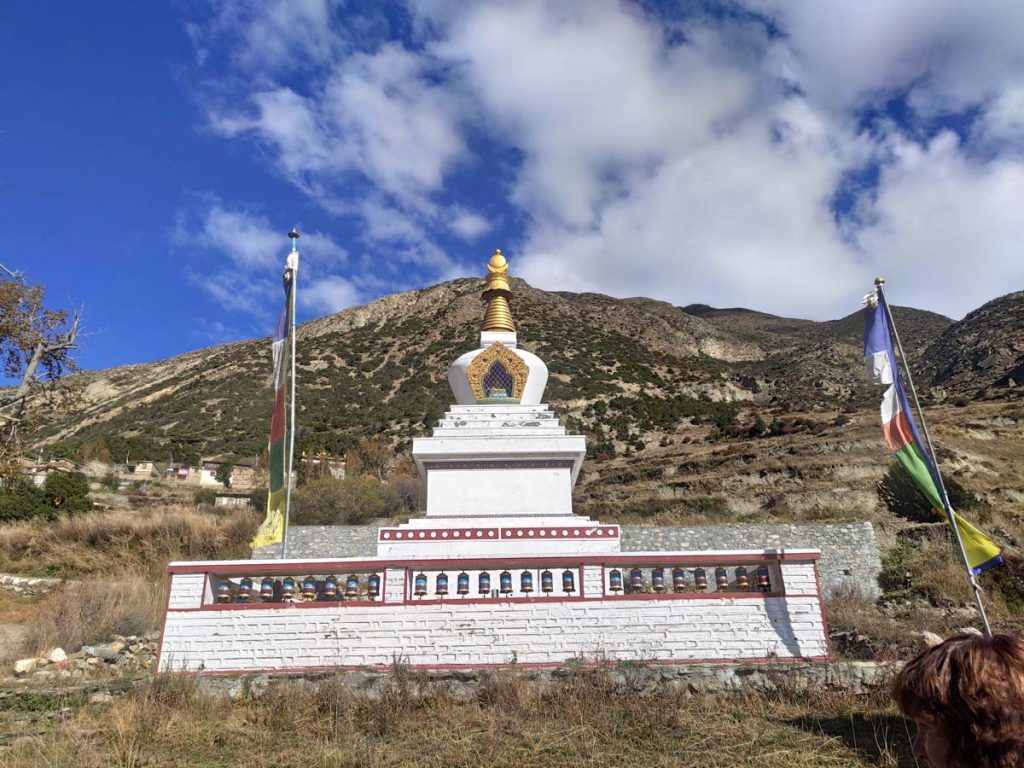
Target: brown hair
[[972, 688]]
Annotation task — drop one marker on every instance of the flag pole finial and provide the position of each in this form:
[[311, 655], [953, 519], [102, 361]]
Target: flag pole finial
[[879, 281], [294, 235]]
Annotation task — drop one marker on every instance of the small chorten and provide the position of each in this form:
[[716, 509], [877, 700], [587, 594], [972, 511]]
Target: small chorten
[[498, 316]]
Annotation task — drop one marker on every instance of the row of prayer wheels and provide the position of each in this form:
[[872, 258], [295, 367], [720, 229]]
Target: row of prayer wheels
[[761, 581], [290, 589], [484, 586]]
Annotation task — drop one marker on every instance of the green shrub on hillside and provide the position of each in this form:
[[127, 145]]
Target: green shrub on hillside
[[898, 492], [23, 501], [352, 500]]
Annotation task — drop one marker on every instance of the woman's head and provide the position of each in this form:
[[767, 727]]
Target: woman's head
[[967, 697]]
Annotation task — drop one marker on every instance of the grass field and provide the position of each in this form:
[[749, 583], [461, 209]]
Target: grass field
[[580, 721]]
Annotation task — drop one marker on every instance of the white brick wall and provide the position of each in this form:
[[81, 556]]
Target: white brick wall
[[470, 633], [186, 590], [492, 633]]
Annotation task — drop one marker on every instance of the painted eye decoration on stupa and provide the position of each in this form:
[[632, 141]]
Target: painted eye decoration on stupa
[[497, 375]]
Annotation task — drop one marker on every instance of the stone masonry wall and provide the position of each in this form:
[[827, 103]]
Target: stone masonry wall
[[849, 553]]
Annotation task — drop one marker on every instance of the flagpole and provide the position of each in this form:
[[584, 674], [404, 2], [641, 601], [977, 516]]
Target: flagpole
[[293, 263], [879, 285]]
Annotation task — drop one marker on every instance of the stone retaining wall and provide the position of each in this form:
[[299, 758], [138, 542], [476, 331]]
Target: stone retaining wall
[[849, 553], [857, 677]]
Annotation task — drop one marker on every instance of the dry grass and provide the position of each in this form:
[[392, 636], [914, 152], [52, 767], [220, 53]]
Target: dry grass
[[93, 611], [114, 543], [583, 720]]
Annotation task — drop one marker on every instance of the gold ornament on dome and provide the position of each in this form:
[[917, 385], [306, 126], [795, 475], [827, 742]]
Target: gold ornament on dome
[[497, 293], [500, 388]]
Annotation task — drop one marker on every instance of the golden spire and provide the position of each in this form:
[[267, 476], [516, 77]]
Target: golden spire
[[498, 316]]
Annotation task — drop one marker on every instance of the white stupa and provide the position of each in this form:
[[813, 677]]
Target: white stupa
[[499, 469]]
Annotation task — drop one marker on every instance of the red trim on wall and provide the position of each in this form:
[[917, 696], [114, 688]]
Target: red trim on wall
[[435, 535], [555, 532], [523, 665], [271, 567]]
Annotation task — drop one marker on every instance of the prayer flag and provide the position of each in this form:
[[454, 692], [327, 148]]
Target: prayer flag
[[901, 433], [271, 530]]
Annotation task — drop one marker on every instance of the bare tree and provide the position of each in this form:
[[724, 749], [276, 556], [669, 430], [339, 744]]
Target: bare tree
[[37, 347]]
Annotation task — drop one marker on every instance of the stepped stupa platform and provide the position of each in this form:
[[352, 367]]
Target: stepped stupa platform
[[498, 570]]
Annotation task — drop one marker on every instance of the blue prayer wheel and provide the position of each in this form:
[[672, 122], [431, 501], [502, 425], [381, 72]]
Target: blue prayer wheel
[[420, 588], [352, 585], [615, 580], [224, 591], [568, 581], [700, 579], [267, 589], [245, 590], [764, 579], [547, 582], [462, 583], [373, 585], [678, 580], [441, 584], [288, 588], [331, 587], [658, 579], [484, 583], [636, 580], [505, 580], [721, 578], [309, 588], [742, 580], [526, 582]]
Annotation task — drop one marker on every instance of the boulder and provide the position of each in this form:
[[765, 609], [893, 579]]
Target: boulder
[[25, 666], [927, 639], [56, 656]]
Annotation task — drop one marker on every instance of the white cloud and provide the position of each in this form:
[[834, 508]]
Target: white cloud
[[328, 294], [691, 160], [467, 224], [948, 231]]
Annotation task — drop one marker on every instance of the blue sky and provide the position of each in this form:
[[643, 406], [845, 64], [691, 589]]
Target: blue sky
[[762, 153]]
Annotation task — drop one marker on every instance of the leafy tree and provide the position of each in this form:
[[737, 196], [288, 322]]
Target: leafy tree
[[370, 456], [223, 474], [67, 492], [36, 350], [21, 500], [353, 500]]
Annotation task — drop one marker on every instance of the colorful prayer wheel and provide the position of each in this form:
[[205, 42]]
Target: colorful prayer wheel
[[462, 584], [267, 589], [742, 580], [615, 580], [700, 579], [330, 587], [658, 579], [309, 589], [764, 579], [288, 589], [678, 580], [224, 591], [505, 580], [420, 588], [441, 587], [636, 580], [547, 582], [352, 586], [721, 578], [245, 590], [484, 583], [568, 581], [373, 585], [526, 582]]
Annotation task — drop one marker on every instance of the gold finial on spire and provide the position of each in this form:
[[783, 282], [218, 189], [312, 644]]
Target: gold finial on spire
[[498, 316]]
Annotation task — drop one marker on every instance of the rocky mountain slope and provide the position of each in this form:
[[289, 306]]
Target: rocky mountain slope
[[694, 412]]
